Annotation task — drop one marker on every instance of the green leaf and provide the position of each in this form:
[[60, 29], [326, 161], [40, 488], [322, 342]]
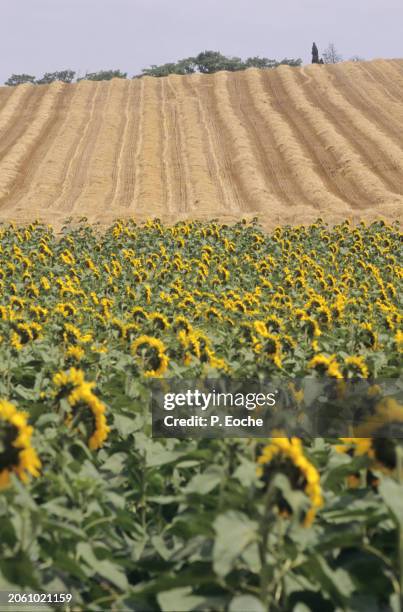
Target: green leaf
[[337, 583], [234, 532], [246, 603], [392, 494], [202, 484], [125, 425], [180, 600], [108, 570]]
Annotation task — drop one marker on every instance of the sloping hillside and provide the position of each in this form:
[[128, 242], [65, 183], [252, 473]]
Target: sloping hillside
[[288, 145]]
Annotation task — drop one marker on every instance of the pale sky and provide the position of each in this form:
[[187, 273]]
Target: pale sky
[[38, 36]]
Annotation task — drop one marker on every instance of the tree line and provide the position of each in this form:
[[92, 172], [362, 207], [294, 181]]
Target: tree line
[[330, 55], [206, 62]]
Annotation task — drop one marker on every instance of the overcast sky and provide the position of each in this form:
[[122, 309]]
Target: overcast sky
[[38, 36]]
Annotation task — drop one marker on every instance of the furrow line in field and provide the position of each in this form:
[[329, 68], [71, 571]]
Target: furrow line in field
[[349, 163], [166, 167], [124, 192], [390, 73], [220, 142], [180, 185], [48, 178], [322, 160], [370, 142], [11, 105], [366, 93], [150, 192], [101, 156], [75, 175], [22, 118], [204, 187], [77, 170], [302, 173], [382, 82], [266, 150], [225, 200], [118, 165], [5, 94], [11, 164], [257, 193], [398, 66], [139, 143]]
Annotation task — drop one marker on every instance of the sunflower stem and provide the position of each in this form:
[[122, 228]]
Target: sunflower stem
[[264, 530]]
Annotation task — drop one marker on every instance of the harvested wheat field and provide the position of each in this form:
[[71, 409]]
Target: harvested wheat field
[[286, 145]]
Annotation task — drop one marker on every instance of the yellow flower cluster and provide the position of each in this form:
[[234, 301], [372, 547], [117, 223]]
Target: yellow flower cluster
[[151, 353], [292, 450], [79, 392], [16, 455]]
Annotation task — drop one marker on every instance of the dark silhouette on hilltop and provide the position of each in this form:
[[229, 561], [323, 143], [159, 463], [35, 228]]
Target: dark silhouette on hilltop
[[315, 54]]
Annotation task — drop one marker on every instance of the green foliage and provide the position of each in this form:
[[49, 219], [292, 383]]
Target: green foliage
[[262, 62], [66, 76], [213, 61], [159, 525], [185, 66], [103, 75], [209, 62], [206, 62], [19, 79]]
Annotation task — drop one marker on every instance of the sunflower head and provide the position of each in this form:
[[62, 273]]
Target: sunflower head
[[286, 456], [16, 453], [89, 411], [355, 367], [158, 321], [151, 354]]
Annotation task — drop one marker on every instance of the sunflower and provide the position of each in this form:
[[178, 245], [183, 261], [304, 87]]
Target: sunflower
[[325, 365], [67, 309], [81, 396], [182, 323], [159, 320], [213, 313], [310, 325], [368, 336], [151, 352], [16, 455], [324, 315], [216, 362], [66, 381], [15, 341], [288, 343], [387, 411], [260, 328], [269, 345], [73, 335], [39, 312], [274, 324], [17, 303], [381, 454], [78, 392], [399, 340], [284, 455], [191, 345], [354, 367], [101, 349], [139, 314], [119, 326], [75, 352]]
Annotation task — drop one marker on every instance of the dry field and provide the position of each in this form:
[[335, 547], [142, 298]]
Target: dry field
[[287, 145]]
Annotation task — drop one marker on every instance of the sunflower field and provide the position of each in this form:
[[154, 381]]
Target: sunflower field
[[92, 505]]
